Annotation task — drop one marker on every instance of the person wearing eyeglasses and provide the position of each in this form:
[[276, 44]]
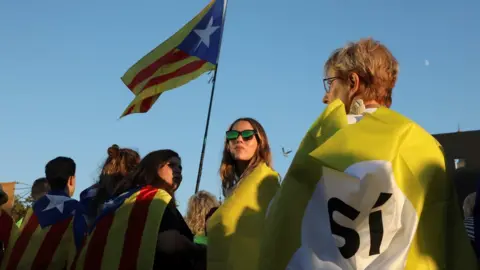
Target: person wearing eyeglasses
[[249, 183], [367, 188], [354, 84]]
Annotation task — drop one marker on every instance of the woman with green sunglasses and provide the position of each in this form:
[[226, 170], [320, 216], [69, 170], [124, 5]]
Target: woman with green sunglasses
[[249, 184]]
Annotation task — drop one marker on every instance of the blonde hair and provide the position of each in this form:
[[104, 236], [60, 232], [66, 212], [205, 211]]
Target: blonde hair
[[198, 207], [469, 204], [262, 154], [372, 62]]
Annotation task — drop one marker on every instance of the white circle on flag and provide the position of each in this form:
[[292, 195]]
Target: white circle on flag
[[357, 219]]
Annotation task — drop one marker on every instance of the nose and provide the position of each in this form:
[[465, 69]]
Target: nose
[[325, 99], [239, 138]]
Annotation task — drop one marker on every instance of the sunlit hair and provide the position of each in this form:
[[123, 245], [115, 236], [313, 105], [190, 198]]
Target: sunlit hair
[[469, 204], [119, 163], [372, 62], [146, 173], [198, 207], [262, 154]]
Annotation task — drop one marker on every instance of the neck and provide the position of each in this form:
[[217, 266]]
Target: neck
[[371, 104], [240, 167]]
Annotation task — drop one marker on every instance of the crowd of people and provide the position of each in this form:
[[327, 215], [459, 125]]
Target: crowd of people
[[367, 189]]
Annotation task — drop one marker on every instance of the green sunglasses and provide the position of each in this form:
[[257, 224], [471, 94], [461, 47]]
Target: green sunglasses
[[246, 134]]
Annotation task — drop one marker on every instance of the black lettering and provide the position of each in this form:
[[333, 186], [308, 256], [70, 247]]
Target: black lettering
[[352, 239], [376, 224]]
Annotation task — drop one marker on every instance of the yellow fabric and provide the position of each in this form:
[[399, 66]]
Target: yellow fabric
[[26, 218], [152, 93], [113, 248], [13, 235], [440, 241], [163, 49], [60, 256], [158, 89], [235, 229]]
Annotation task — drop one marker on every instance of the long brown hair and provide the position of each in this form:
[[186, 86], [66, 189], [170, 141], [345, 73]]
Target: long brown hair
[[146, 173], [199, 205], [119, 163], [262, 154]]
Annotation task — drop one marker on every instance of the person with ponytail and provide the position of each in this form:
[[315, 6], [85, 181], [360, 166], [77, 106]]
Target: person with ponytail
[[119, 163], [141, 227], [249, 184]]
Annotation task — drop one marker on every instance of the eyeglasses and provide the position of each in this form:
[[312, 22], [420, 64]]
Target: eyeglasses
[[246, 134], [327, 82]]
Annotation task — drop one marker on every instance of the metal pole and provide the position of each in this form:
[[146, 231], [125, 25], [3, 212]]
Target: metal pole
[[214, 80]]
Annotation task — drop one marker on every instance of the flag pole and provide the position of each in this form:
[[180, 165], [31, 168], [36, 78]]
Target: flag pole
[[212, 93]]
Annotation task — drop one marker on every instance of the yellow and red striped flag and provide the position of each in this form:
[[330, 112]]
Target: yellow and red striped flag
[[186, 55], [8, 231], [45, 240], [124, 236]]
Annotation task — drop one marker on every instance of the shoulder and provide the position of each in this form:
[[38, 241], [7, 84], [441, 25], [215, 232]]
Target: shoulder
[[173, 220], [404, 128]]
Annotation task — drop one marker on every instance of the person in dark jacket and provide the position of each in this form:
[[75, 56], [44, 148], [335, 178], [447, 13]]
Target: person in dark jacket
[[141, 215]]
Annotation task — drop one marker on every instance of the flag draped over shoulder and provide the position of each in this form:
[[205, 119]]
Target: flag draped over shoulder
[[186, 55], [371, 195], [124, 236], [46, 236], [234, 230], [8, 231]]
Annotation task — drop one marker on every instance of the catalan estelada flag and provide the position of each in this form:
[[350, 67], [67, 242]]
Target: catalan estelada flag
[[86, 197], [47, 235], [8, 232], [124, 236], [368, 195], [186, 55]]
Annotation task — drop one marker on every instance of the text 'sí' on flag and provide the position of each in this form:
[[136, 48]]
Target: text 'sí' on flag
[[186, 55]]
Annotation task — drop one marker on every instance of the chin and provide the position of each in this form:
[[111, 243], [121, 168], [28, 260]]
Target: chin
[[242, 158]]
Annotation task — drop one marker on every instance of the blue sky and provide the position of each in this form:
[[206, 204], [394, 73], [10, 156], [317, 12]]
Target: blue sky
[[61, 63]]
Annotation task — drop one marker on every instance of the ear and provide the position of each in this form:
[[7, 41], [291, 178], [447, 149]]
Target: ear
[[71, 181], [353, 83], [71, 185]]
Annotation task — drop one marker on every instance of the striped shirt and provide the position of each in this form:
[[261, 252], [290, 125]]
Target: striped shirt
[[470, 227]]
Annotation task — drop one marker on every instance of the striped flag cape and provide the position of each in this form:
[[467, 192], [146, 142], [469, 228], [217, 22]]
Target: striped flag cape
[[186, 55], [370, 195], [88, 194], [8, 231], [124, 236], [86, 197], [47, 234]]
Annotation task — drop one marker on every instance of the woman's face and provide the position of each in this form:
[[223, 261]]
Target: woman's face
[[171, 173], [243, 146]]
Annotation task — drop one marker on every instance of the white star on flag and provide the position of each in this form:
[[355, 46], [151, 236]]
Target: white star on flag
[[205, 34], [56, 201], [108, 204]]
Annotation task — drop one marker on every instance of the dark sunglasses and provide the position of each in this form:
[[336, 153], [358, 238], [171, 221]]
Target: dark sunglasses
[[246, 134]]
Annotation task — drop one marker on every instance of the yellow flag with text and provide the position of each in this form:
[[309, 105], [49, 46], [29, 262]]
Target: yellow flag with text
[[235, 229], [371, 195]]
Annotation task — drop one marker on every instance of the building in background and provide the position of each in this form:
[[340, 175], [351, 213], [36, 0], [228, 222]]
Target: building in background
[[462, 156]]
